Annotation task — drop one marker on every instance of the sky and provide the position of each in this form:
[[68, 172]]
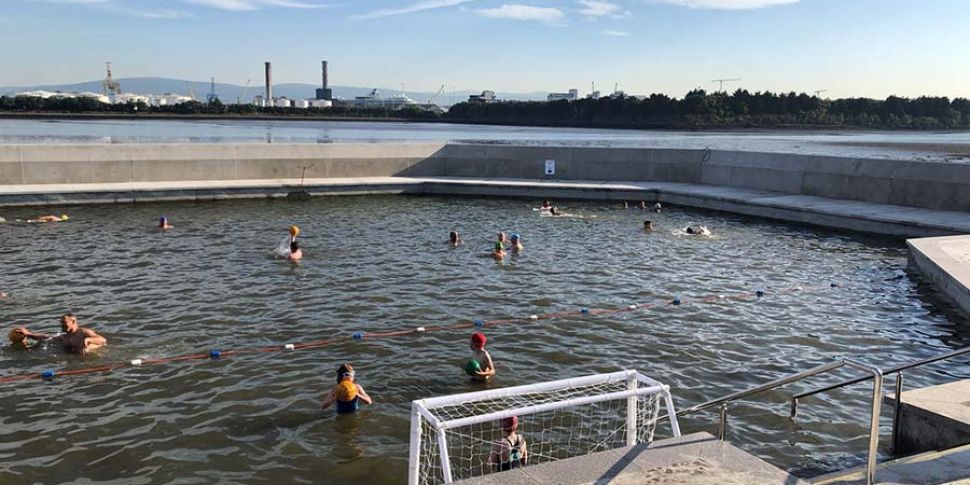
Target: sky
[[871, 48]]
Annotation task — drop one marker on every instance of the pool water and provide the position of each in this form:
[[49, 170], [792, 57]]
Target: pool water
[[375, 264]]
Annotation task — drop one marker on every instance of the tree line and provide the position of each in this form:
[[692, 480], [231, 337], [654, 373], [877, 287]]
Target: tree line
[[698, 109]]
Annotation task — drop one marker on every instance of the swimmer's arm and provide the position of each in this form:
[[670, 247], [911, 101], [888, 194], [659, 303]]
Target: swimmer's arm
[[525, 452], [327, 401], [489, 370], [362, 394], [34, 335], [93, 340]]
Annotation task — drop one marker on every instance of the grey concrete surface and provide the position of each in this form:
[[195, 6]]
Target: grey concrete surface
[[933, 418], [950, 466], [945, 261], [695, 459]]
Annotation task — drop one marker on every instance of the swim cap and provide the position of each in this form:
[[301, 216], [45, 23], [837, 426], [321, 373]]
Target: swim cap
[[162, 219], [346, 391], [510, 423], [64, 217], [514, 236], [294, 231], [478, 340]]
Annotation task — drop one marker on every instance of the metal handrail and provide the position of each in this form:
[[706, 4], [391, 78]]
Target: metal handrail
[[876, 375], [894, 370]]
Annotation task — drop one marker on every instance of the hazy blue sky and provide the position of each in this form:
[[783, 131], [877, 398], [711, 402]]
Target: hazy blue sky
[[849, 47]]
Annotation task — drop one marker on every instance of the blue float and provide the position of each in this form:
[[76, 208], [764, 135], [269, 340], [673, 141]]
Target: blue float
[[479, 323], [358, 335], [584, 311], [215, 353], [835, 285], [676, 301], [47, 374], [760, 293]]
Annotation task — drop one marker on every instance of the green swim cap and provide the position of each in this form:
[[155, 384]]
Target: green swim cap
[[472, 367]]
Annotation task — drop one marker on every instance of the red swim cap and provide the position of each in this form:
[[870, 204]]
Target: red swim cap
[[510, 423], [478, 340]]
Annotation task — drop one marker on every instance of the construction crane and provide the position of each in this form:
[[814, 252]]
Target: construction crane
[[212, 97], [819, 91], [110, 86], [721, 82], [242, 93], [440, 90]]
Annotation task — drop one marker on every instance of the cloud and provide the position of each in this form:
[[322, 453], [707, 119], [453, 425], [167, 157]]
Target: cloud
[[594, 8], [245, 5], [158, 14], [413, 8], [523, 12], [615, 33], [727, 4]]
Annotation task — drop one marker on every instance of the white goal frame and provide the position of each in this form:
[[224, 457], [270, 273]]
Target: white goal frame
[[420, 409]]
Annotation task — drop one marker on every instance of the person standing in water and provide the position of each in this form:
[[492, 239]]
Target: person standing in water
[[163, 223], [346, 394], [454, 239], [77, 339], [510, 452], [516, 242]]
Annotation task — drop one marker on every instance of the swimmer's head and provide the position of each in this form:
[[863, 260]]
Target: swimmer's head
[[690, 230], [162, 221], [501, 237], [294, 231], [453, 236], [345, 371], [510, 424], [64, 217], [514, 237], [648, 224], [478, 341], [18, 337], [69, 322]]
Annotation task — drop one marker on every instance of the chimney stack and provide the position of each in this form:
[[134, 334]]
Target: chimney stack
[[269, 82], [324, 92]]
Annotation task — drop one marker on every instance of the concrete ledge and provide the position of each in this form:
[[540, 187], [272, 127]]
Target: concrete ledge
[[933, 418], [945, 261], [697, 458]]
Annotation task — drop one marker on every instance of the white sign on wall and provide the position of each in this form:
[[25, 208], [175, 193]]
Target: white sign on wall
[[550, 167]]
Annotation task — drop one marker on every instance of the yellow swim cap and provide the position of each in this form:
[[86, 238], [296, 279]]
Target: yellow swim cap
[[64, 217], [346, 390], [294, 230]]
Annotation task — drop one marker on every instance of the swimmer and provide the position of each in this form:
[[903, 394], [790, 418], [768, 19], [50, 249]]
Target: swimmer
[[163, 223], [49, 218], [18, 338], [77, 339], [347, 394], [647, 226], [501, 238], [511, 451], [555, 211], [454, 239], [698, 231], [626, 205], [296, 253], [486, 368], [545, 205], [499, 252], [516, 242], [643, 205], [656, 207]]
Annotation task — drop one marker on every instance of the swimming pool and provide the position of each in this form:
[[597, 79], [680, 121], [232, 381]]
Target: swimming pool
[[383, 263]]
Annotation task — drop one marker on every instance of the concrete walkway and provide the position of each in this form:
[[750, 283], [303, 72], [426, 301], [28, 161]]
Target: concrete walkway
[[695, 459], [946, 262], [948, 467], [867, 217]]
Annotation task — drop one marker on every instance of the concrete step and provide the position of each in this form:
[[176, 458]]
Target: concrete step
[[931, 468], [694, 459]]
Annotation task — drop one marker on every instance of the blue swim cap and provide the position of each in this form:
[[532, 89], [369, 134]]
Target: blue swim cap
[[514, 236], [162, 219]]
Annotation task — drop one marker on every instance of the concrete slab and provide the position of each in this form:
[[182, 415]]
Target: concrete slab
[[945, 261], [932, 468], [695, 459], [933, 418]]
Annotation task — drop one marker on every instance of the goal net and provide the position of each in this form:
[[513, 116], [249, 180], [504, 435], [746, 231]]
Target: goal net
[[467, 435]]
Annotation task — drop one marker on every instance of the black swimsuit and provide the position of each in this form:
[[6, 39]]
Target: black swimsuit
[[515, 455]]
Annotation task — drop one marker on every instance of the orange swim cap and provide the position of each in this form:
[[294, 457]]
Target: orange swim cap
[[294, 231]]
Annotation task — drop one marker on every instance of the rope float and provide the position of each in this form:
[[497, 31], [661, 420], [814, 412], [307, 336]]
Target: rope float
[[216, 354]]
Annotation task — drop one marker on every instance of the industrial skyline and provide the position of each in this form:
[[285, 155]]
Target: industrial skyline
[[868, 48]]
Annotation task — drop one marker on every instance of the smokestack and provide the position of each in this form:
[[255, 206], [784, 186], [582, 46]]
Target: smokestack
[[324, 74], [269, 81], [324, 92]]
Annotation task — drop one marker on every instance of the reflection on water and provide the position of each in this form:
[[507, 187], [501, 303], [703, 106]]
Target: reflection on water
[[383, 263]]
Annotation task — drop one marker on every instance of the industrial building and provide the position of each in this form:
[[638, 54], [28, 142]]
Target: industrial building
[[487, 97], [572, 95]]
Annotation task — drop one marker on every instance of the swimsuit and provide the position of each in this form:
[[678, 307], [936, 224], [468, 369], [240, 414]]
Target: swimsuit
[[345, 407], [515, 454]]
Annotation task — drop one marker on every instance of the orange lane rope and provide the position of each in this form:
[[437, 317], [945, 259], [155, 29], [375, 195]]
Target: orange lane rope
[[217, 353]]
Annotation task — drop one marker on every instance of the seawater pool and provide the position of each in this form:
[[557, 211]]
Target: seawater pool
[[382, 263]]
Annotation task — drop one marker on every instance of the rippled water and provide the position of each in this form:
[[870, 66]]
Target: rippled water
[[382, 263]]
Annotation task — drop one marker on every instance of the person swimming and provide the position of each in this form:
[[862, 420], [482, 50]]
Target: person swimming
[[163, 223], [516, 242], [454, 239], [19, 336], [49, 218], [648, 226], [296, 253], [499, 252], [346, 394], [545, 205], [656, 207], [698, 230]]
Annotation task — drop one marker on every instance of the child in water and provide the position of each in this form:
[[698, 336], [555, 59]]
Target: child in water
[[499, 252], [480, 367], [454, 239], [296, 253], [163, 223], [346, 393], [647, 226], [512, 451], [18, 338], [516, 242]]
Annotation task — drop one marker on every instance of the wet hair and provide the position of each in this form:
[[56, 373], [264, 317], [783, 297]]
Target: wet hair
[[344, 369], [647, 223], [294, 247], [453, 236], [690, 230]]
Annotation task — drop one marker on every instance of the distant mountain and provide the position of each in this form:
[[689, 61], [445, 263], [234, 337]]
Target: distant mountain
[[229, 93]]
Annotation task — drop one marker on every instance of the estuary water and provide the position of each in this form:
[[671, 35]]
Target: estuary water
[[377, 264]]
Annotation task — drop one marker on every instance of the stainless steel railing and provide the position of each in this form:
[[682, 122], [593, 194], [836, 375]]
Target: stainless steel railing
[[898, 370], [874, 372]]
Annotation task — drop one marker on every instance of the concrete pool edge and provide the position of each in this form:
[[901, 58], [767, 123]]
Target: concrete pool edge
[[936, 259]]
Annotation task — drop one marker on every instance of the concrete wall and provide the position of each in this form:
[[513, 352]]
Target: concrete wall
[[909, 183]]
